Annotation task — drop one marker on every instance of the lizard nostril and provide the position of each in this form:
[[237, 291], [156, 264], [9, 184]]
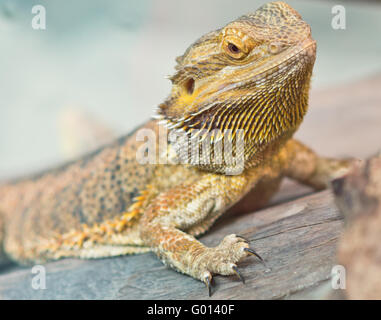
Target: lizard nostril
[[189, 86]]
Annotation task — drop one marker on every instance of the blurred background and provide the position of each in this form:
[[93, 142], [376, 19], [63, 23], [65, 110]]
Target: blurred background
[[109, 59]]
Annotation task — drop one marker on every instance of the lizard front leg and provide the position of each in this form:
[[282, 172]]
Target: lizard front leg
[[166, 222], [305, 166]]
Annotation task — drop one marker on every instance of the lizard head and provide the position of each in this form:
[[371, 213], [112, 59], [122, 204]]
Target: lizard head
[[253, 74]]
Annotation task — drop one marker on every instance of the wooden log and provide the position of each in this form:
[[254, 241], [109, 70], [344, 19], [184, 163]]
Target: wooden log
[[358, 195], [297, 241]]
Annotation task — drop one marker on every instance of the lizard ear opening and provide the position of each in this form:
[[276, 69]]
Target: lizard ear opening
[[189, 86]]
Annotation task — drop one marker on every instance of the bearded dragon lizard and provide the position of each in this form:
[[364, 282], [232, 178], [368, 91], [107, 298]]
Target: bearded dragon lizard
[[251, 76]]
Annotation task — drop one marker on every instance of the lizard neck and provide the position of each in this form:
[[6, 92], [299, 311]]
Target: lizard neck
[[253, 131]]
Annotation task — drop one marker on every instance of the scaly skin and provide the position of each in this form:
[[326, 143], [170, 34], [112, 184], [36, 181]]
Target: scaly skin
[[253, 75]]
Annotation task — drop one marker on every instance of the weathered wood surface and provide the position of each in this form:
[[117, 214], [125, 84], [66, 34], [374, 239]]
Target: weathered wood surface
[[297, 241], [297, 238], [358, 196]]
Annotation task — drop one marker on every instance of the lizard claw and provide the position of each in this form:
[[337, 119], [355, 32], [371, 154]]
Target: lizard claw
[[243, 238], [251, 251], [208, 282], [223, 259], [240, 276]]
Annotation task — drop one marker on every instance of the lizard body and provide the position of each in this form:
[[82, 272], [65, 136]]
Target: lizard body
[[252, 75]]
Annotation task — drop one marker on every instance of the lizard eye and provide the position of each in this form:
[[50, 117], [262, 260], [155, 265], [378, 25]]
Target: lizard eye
[[235, 47]]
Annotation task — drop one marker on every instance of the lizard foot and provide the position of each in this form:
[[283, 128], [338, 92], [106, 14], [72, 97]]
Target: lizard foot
[[223, 259]]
